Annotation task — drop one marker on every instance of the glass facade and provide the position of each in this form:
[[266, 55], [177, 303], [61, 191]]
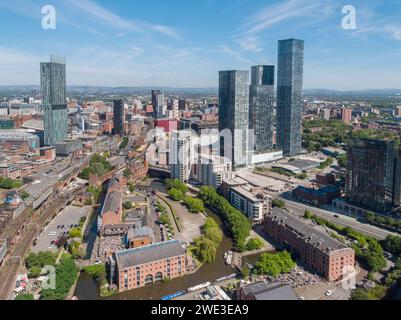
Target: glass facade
[[261, 110], [373, 176], [289, 95], [53, 86], [234, 115], [118, 115]]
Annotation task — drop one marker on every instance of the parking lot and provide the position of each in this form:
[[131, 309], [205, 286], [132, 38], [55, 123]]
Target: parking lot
[[61, 224]]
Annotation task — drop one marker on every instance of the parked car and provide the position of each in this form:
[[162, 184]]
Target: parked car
[[328, 293]]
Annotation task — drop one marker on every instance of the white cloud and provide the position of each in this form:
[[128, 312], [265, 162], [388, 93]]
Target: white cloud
[[117, 21], [249, 43], [233, 54], [284, 10], [393, 30]]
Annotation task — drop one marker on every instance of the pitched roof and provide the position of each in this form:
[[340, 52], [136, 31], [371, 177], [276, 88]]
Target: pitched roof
[[150, 253]]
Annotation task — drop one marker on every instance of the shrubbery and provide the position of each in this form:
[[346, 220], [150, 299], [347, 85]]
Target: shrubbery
[[238, 224]]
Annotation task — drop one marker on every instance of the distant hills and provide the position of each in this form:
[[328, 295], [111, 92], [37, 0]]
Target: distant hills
[[99, 90]]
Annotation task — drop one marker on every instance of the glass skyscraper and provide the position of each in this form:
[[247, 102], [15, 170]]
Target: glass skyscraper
[[373, 174], [53, 86], [289, 95], [234, 115], [118, 117], [261, 111]]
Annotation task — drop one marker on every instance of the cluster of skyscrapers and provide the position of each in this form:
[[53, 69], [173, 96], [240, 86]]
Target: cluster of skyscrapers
[[244, 108]]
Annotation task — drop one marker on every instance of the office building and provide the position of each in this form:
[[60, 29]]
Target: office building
[[289, 95], [53, 86], [261, 110], [181, 154], [315, 248], [373, 174], [158, 104], [234, 116], [137, 267], [118, 116]]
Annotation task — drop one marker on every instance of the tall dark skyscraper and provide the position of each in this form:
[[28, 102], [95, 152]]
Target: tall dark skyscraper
[[157, 103], [289, 95], [181, 104], [53, 83], [118, 115], [234, 115], [373, 177], [261, 111]]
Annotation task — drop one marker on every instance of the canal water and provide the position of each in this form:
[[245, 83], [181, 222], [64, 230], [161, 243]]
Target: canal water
[[87, 288]]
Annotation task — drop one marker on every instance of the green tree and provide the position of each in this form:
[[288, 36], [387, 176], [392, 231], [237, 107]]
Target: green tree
[[254, 243], [278, 203], [175, 194], [275, 264], [177, 184], [392, 244], [75, 233], [205, 249], [127, 205]]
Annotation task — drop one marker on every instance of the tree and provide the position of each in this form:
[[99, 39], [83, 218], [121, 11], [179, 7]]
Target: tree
[[75, 233], [177, 184], [35, 272], [127, 205], [278, 203], [308, 214], [238, 224], [212, 231], [392, 244], [175, 194], [254, 244], [275, 264], [205, 249], [126, 173], [194, 205]]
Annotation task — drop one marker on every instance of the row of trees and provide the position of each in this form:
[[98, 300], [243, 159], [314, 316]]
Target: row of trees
[[238, 224], [367, 249], [205, 247], [381, 221], [177, 191], [98, 165], [36, 261]]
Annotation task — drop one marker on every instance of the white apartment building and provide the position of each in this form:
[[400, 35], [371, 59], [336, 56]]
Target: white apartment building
[[253, 205], [181, 154], [212, 170]]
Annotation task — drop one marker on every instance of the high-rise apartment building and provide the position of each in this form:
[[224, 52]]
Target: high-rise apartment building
[[346, 115], [53, 86], [289, 95], [261, 110], [158, 104], [118, 116], [373, 177], [181, 154], [234, 116]]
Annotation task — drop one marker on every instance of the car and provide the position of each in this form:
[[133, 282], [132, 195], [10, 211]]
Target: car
[[301, 298], [71, 226], [98, 262], [328, 293], [336, 216]]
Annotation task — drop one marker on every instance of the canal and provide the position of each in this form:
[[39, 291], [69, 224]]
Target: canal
[[87, 288]]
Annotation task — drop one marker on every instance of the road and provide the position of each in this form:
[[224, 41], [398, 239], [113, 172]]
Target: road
[[366, 229]]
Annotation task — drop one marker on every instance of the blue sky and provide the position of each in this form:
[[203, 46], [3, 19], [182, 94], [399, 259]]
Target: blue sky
[[184, 43]]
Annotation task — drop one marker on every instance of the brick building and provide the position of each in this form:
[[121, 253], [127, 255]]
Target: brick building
[[134, 268], [315, 248]]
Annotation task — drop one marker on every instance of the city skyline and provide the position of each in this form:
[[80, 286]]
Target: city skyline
[[142, 45]]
